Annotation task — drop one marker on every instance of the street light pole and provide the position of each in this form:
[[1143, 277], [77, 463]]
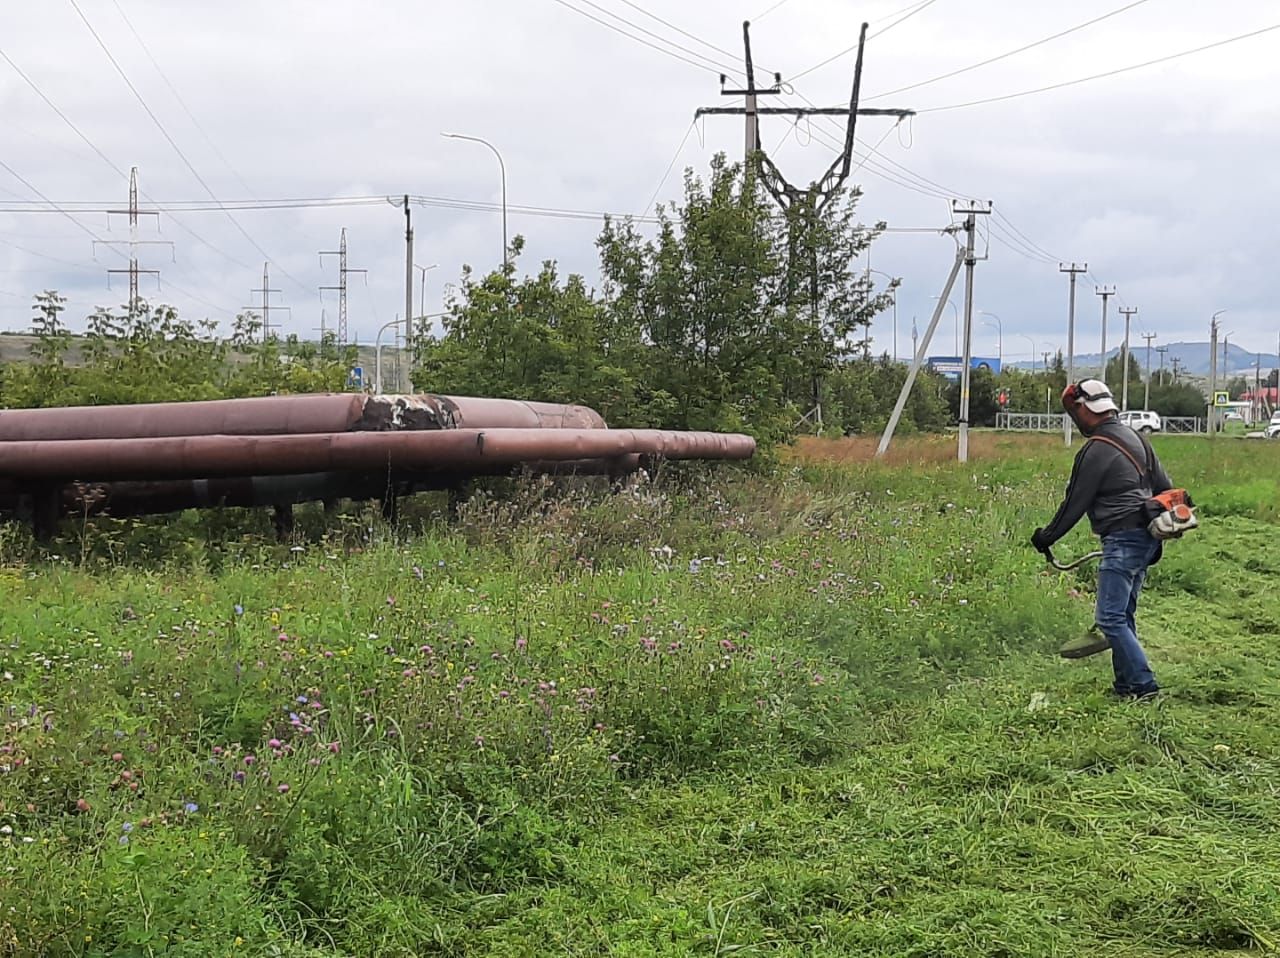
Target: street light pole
[[1033, 351], [503, 168], [422, 293], [1000, 334], [955, 316], [893, 288], [377, 354]]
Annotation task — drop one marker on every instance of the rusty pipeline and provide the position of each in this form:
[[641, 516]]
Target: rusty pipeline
[[290, 415], [206, 457]]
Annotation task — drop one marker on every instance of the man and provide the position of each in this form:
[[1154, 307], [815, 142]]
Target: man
[[1114, 475]]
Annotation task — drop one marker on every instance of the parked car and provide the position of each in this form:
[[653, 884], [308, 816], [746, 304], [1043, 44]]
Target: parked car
[[1233, 417], [1273, 430], [1142, 420]]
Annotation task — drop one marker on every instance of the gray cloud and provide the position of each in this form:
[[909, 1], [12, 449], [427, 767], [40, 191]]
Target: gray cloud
[[1161, 179]]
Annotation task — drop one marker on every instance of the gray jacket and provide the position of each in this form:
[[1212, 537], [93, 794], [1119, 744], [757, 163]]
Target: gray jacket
[[1105, 484]]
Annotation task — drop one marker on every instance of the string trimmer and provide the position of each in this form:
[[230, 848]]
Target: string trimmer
[[1074, 563]]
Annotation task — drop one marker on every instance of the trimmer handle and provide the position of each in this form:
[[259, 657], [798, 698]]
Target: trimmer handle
[[1068, 566]]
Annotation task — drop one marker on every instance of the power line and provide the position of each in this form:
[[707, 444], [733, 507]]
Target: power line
[[631, 36], [1010, 53], [21, 179], [670, 166], [1109, 73], [661, 39], [845, 52], [345, 202], [761, 16], [178, 96], [35, 87], [52, 259], [173, 143], [684, 33], [907, 16], [106, 159]]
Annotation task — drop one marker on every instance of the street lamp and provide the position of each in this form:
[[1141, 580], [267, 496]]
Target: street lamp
[[503, 168], [377, 354], [1000, 334], [955, 315], [893, 288], [1033, 351], [422, 294]]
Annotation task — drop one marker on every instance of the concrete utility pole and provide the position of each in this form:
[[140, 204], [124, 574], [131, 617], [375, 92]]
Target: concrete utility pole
[[265, 307], [921, 349], [1213, 370], [750, 114], [1162, 350], [1128, 312], [1106, 292], [1146, 396], [408, 287], [1072, 270], [971, 209], [1174, 362]]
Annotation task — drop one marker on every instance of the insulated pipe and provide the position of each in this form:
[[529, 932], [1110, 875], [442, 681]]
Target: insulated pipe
[[289, 415], [151, 497], [233, 417], [451, 449]]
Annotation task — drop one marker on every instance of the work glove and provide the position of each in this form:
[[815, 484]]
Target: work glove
[[1040, 542]]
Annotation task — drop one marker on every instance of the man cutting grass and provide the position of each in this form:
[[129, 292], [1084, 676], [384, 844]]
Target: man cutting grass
[[1115, 475]]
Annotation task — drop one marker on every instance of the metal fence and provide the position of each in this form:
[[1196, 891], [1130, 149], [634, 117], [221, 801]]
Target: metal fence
[[1033, 421], [1052, 422]]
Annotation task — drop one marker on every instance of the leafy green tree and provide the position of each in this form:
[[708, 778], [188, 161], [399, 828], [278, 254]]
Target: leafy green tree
[[1177, 399], [538, 338], [744, 309], [861, 393], [1115, 377], [983, 402], [151, 354]]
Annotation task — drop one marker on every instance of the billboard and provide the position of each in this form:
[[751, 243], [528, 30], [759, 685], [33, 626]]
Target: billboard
[[950, 366]]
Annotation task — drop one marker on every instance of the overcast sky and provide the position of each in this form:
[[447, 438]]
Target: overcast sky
[[1164, 180]]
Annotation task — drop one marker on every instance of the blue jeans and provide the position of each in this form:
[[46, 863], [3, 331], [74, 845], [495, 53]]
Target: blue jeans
[[1125, 558]]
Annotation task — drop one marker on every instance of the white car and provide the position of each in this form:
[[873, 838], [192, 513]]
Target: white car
[[1273, 430], [1141, 420]]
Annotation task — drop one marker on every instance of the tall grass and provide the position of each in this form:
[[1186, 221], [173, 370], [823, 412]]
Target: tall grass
[[814, 712]]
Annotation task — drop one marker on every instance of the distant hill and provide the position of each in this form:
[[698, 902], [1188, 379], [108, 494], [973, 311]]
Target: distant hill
[[1193, 358]]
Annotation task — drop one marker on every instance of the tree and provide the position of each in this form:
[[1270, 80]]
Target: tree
[[1115, 378], [983, 398], [151, 354], [1177, 399], [744, 309]]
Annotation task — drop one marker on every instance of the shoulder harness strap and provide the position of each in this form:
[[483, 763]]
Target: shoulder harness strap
[[1142, 473]]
